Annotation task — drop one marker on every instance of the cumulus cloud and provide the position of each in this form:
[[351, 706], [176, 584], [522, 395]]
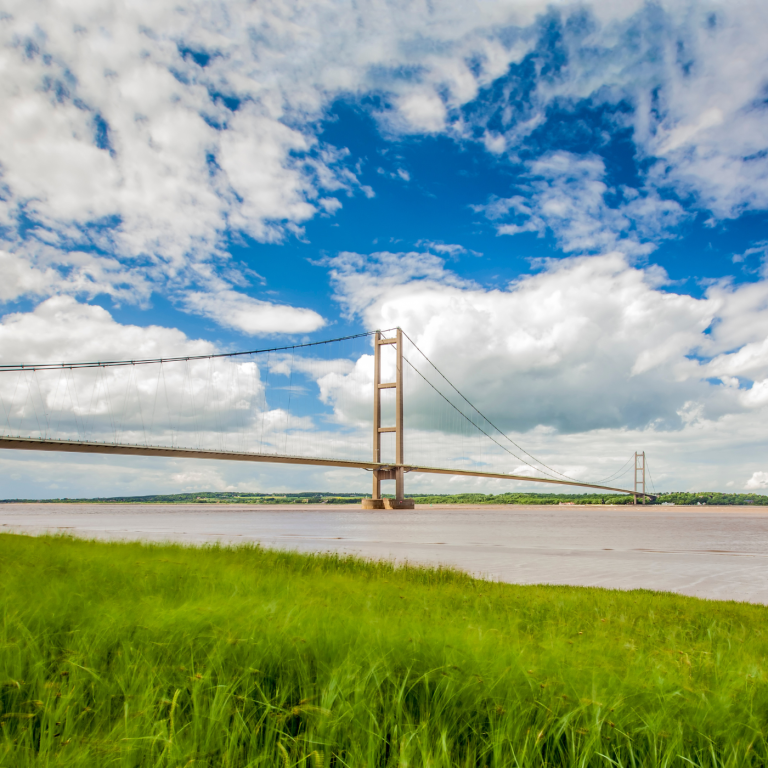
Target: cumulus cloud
[[63, 329], [587, 360], [422, 112], [452, 250], [33, 271], [270, 403], [758, 481], [742, 317], [187, 403], [148, 135], [710, 129], [138, 138], [586, 343], [152, 133], [749, 361], [22, 278], [581, 364], [361, 281]]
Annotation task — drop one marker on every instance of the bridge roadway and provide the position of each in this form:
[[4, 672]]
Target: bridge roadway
[[78, 446]]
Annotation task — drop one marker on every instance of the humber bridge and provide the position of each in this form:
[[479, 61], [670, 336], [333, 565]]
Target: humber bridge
[[306, 404]]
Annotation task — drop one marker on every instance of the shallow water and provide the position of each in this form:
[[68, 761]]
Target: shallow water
[[717, 552]]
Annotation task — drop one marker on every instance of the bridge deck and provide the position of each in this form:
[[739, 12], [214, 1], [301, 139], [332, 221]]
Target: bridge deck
[[76, 446]]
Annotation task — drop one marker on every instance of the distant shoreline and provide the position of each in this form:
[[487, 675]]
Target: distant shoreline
[[304, 498], [355, 506]]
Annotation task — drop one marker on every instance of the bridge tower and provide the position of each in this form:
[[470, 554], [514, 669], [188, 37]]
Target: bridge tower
[[396, 472], [639, 476]]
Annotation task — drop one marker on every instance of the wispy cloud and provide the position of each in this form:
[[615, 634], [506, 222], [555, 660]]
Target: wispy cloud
[[567, 195], [231, 309], [452, 250]]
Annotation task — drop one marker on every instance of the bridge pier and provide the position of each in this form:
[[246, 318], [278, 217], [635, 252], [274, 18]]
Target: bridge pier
[[639, 476], [397, 472]]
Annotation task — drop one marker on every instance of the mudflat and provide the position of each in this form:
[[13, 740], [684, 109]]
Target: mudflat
[[712, 552]]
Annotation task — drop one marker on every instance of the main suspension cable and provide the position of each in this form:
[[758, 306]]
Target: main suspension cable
[[503, 434], [503, 448], [648, 467], [113, 363], [621, 472]]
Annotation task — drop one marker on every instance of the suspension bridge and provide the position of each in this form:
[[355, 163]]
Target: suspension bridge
[[314, 404]]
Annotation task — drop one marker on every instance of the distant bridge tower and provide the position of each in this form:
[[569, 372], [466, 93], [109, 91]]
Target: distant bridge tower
[[639, 476], [396, 472]]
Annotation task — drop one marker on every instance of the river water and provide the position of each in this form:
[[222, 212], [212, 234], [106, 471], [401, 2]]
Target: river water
[[714, 552]]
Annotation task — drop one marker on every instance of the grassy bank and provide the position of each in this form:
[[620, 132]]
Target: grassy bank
[[134, 655]]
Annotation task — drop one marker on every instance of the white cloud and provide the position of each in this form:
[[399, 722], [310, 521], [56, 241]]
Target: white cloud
[[567, 194], [422, 112], [688, 80], [124, 171], [362, 281], [243, 313], [62, 329], [33, 270], [742, 316], [187, 403], [683, 134], [233, 403], [557, 348], [695, 76], [153, 131], [254, 154], [757, 395], [330, 205], [589, 342], [452, 250], [750, 360], [582, 363], [117, 132], [20, 277], [758, 481]]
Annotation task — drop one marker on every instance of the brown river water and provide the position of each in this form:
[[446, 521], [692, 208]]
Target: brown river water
[[715, 552]]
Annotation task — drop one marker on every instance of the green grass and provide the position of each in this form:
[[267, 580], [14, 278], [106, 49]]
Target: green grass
[[144, 655]]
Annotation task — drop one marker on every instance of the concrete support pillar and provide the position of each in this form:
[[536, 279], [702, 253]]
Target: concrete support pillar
[[399, 443], [376, 491], [400, 484], [397, 473], [639, 476]]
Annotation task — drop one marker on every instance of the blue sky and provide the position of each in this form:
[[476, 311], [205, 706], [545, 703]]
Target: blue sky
[[574, 194]]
